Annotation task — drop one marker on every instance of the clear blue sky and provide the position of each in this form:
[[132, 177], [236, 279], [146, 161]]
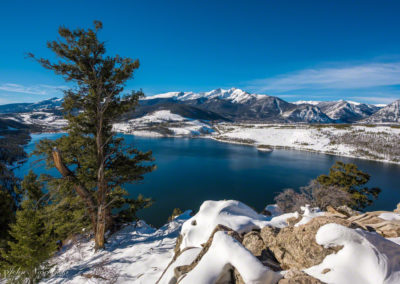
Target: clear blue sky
[[312, 50]]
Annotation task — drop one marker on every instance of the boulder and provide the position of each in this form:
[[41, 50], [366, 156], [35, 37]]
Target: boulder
[[295, 247], [294, 276], [255, 244]]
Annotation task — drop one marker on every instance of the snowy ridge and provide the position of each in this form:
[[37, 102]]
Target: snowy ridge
[[388, 114], [231, 105], [308, 114], [234, 95], [347, 111], [314, 103]]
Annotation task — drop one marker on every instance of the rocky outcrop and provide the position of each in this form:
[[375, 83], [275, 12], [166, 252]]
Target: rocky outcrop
[[292, 248], [183, 269], [371, 221], [295, 247]]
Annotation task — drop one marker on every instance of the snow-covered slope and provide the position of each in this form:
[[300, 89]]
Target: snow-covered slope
[[307, 114], [388, 114], [163, 122], [136, 254], [377, 143], [53, 103], [347, 111]]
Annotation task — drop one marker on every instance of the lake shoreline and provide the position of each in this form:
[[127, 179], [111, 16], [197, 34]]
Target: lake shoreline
[[156, 135], [191, 170]]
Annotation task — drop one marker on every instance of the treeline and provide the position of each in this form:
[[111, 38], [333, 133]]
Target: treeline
[[13, 136], [377, 145]]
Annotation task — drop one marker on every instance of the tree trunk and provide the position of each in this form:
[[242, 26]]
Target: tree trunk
[[101, 228], [101, 186], [80, 190]]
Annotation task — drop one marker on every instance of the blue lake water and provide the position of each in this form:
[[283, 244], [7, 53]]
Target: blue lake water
[[193, 170]]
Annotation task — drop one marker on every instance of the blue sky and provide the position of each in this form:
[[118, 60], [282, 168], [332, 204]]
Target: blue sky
[[312, 50]]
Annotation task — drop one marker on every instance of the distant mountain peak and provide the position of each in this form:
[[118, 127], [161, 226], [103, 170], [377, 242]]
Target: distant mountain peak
[[234, 95], [306, 102], [235, 104], [387, 114]]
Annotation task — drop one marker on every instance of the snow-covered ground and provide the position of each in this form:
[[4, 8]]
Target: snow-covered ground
[[139, 253], [42, 118], [317, 138]]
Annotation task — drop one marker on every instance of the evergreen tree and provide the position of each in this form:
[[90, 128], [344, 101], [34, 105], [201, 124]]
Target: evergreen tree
[[32, 189], [31, 247], [32, 243], [92, 158], [352, 180], [65, 212]]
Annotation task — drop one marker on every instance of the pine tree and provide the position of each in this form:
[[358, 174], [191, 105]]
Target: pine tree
[[92, 158], [65, 212], [32, 243], [31, 247], [352, 180]]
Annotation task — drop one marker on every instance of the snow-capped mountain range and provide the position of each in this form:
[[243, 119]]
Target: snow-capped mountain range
[[232, 104]]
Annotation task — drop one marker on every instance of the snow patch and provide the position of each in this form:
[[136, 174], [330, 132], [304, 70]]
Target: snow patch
[[366, 258], [308, 214], [314, 103], [389, 216], [233, 214], [159, 116], [224, 253]]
